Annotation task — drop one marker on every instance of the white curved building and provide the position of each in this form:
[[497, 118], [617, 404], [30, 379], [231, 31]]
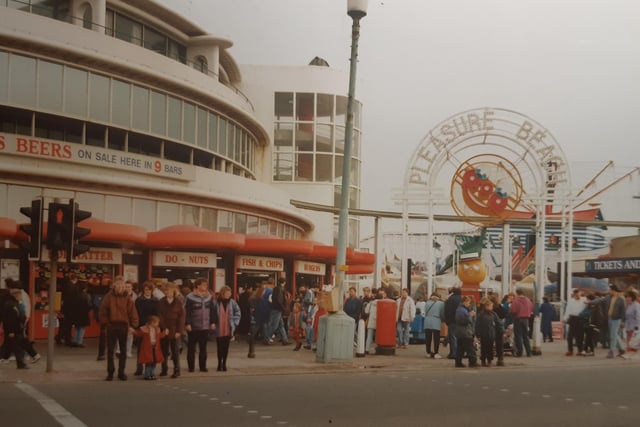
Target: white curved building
[[186, 160]]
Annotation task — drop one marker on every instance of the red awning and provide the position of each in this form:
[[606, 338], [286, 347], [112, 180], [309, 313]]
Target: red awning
[[113, 232], [193, 237], [104, 232], [357, 257], [8, 228], [360, 269], [259, 244]]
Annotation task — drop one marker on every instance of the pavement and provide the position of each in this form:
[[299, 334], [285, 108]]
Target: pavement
[[80, 364]]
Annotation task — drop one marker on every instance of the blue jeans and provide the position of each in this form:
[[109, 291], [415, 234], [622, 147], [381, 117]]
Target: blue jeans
[[404, 332], [79, 338], [453, 341], [614, 334], [276, 323], [149, 370]]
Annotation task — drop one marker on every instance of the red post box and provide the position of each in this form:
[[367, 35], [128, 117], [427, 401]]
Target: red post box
[[386, 327]]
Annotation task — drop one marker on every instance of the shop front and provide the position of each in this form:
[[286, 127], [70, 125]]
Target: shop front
[[254, 270], [309, 274], [96, 268], [186, 267]]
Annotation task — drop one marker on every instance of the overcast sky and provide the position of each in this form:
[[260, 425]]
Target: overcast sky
[[571, 65]]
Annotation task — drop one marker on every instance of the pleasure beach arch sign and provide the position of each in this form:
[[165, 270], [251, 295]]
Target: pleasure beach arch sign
[[487, 165]]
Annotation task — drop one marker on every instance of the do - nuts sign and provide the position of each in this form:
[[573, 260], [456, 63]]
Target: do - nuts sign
[[260, 263], [306, 267], [184, 259]]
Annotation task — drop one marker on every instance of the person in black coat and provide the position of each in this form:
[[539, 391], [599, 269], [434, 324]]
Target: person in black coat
[[13, 325], [79, 312], [450, 306], [486, 331]]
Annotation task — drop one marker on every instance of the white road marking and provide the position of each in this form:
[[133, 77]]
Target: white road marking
[[504, 390], [203, 395], [525, 393], [546, 396], [61, 415], [265, 417], [225, 402], [193, 392], [214, 398], [596, 403], [282, 422], [237, 406], [485, 387], [623, 407], [568, 399], [252, 411]]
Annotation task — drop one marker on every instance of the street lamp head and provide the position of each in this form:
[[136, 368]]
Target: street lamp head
[[357, 9]]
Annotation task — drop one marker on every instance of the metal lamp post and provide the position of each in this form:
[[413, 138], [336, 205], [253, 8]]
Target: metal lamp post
[[336, 331], [356, 9]]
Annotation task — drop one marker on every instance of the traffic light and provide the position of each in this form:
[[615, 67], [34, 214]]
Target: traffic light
[[77, 232], [34, 229], [58, 227]]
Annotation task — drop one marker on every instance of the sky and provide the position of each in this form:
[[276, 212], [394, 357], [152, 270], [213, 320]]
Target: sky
[[571, 65]]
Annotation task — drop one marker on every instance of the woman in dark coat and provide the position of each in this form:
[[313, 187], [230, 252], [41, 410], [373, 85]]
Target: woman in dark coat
[[79, 313], [547, 314]]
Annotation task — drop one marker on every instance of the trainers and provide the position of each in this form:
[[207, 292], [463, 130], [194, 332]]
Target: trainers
[[35, 358], [437, 356], [582, 353]]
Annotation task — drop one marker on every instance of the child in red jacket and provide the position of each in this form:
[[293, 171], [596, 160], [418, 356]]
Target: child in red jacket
[[150, 350]]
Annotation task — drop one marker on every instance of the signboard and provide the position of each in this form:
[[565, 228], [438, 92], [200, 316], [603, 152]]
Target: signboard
[[612, 265], [246, 262], [20, 145], [111, 256], [184, 259], [306, 267]]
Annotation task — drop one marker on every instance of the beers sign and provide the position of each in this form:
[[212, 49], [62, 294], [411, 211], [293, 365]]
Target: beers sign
[[184, 259]]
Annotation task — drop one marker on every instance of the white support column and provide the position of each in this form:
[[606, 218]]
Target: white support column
[[506, 258]]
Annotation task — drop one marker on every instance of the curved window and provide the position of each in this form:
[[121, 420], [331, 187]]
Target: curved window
[[200, 64], [143, 116], [87, 17]]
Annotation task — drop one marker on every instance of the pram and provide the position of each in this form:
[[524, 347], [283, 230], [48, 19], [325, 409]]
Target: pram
[[507, 340]]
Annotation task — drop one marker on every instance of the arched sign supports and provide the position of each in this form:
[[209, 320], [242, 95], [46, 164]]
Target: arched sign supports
[[498, 163]]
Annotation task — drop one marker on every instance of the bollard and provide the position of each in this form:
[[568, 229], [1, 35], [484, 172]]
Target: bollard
[[386, 327], [360, 341]]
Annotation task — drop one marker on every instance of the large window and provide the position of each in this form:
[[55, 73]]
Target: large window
[[140, 115]]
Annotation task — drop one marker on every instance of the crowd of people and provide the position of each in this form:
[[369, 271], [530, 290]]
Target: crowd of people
[[160, 320], [607, 320]]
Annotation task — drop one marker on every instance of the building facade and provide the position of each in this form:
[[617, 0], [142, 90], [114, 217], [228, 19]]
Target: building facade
[[187, 161]]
